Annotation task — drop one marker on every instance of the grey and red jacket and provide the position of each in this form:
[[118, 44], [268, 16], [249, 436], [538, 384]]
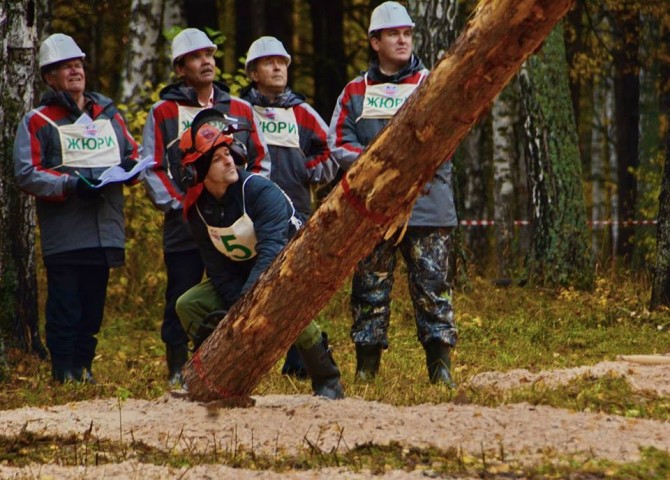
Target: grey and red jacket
[[349, 135], [270, 211], [68, 223], [295, 169], [163, 181]]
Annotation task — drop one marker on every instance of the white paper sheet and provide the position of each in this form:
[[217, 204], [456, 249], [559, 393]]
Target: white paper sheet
[[118, 174]]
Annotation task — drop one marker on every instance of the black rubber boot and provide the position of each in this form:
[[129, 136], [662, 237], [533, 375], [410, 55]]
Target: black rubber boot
[[439, 363], [62, 374], [368, 358], [323, 371], [177, 356], [84, 375], [293, 365]]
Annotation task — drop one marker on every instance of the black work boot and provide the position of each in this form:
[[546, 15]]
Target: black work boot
[[368, 358], [84, 375], [177, 356], [62, 374], [293, 365], [439, 363], [323, 371]]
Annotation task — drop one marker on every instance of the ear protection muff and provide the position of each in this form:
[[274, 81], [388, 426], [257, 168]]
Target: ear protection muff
[[238, 150], [195, 172]]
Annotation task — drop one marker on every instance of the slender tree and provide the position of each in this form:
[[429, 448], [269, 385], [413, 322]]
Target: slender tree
[[505, 154], [660, 293], [330, 64], [627, 25], [249, 24], [560, 253], [201, 14], [18, 284]]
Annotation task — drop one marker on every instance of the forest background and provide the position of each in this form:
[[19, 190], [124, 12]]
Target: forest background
[[609, 125]]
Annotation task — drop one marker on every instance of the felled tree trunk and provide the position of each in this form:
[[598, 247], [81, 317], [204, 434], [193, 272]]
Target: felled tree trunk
[[372, 200]]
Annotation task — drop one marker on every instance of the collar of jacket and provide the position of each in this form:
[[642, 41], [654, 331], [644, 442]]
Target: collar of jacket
[[288, 98], [181, 92], [374, 72]]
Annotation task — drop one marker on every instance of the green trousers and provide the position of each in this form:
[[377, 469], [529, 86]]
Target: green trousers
[[199, 301]]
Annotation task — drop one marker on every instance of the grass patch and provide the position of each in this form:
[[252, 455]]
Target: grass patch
[[499, 329], [86, 450], [610, 395]]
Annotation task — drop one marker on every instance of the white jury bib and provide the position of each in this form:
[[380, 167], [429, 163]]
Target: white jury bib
[[88, 146], [186, 116], [279, 126], [385, 99], [237, 242]]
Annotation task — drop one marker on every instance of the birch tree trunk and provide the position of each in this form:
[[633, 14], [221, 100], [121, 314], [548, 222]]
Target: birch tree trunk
[[601, 234], [436, 28], [560, 253], [18, 288], [147, 57], [505, 155], [373, 199]]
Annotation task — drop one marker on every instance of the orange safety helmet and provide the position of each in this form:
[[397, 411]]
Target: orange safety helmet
[[210, 129]]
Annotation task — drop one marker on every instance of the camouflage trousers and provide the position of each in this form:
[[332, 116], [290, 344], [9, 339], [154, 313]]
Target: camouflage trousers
[[426, 253]]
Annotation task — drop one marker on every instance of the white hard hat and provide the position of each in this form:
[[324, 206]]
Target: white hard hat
[[189, 40], [266, 47], [389, 15], [57, 48]]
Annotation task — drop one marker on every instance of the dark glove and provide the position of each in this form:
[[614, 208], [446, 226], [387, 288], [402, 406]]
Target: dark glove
[[128, 165], [85, 188]]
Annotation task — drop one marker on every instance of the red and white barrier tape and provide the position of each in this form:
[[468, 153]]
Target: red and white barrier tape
[[595, 223]]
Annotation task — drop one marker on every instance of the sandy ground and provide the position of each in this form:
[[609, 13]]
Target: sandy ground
[[290, 424]]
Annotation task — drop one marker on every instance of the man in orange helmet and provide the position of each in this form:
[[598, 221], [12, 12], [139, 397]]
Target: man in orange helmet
[[240, 221]]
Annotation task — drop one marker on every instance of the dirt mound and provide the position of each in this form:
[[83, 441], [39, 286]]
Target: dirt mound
[[290, 424]]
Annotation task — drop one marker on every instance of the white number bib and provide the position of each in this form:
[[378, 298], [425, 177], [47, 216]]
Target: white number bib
[[88, 146], [279, 126], [237, 242]]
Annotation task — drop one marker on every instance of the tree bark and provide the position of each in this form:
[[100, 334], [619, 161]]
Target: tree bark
[[249, 24], [18, 285], [601, 198], [560, 253], [504, 157], [373, 199], [148, 51], [660, 291], [436, 28], [201, 14], [627, 119], [330, 63]]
